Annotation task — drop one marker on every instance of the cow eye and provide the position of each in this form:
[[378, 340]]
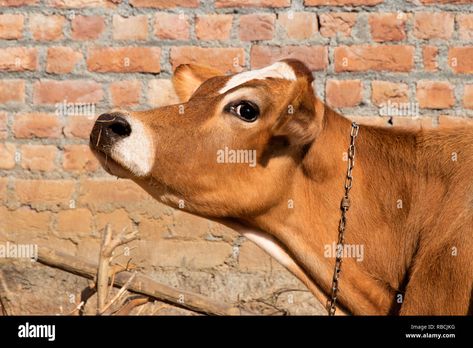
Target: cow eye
[[245, 110]]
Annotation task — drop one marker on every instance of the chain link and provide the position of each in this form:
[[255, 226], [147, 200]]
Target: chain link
[[344, 205]]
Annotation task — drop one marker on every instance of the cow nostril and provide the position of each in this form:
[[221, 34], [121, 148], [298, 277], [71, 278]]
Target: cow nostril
[[120, 127], [108, 129]]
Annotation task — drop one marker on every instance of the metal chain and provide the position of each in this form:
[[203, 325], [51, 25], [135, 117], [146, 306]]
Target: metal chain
[[344, 205]]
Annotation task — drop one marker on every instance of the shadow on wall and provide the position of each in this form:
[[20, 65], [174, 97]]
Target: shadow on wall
[[175, 248]]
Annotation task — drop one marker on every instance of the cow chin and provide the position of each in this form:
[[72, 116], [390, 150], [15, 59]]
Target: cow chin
[[113, 167]]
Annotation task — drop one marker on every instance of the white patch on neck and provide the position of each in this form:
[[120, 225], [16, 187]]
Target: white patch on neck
[[135, 152], [279, 70], [264, 241], [268, 244], [275, 250]]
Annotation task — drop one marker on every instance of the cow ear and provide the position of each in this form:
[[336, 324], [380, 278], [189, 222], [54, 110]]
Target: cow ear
[[300, 118], [188, 77]]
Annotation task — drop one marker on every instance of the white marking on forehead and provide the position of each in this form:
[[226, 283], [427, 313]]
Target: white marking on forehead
[[278, 70]]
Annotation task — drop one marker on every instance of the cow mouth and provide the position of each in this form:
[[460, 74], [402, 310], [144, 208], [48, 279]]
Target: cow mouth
[[110, 165]]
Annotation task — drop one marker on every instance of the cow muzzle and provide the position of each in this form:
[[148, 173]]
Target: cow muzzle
[[122, 143]]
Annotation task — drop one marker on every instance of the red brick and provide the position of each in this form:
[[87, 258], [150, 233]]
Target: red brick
[[343, 93], [44, 192], [3, 125], [430, 54], [465, 26], [461, 59], [298, 25], [258, 26], [213, 27], [38, 157], [433, 25], [83, 3], [98, 193], [125, 93], [161, 92], [253, 259], [409, 122], [12, 91], [18, 59], [151, 229], [455, 121], [79, 158], [384, 91], [169, 26], [435, 94], [11, 26], [165, 3], [130, 28], [315, 57], [7, 155], [225, 59], [87, 27], [73, 223], [378, 58], [180, 227], [124, 59], [428, 2], [24, 220], [3, 190], [468, 96], [252, 3], [46, 28], [36, 125], [118, 220], [342, 2], [15, 3], [78, 127], [388, 26], [62, 60], [190, 254], [73, 91], [332, 24]]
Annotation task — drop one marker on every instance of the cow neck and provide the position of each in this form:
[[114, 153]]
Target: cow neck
[[310, 227]]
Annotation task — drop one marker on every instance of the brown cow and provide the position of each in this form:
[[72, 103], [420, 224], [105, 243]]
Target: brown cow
[[259, 153]]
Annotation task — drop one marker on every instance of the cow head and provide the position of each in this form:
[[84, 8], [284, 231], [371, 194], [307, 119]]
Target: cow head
[[229, 149]]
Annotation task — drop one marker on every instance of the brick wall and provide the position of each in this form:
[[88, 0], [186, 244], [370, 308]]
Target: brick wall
[[121, 53]]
